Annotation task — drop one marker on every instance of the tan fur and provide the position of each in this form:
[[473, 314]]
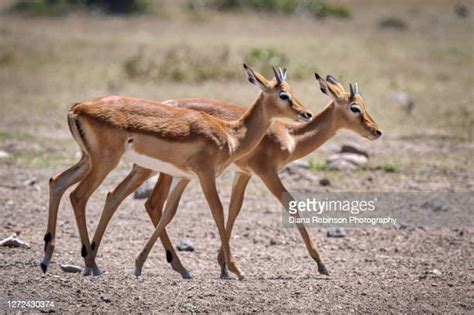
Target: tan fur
[[283, 143], [182, 140]]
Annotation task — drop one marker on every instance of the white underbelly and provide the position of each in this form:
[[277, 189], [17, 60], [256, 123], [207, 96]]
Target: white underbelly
[[155, 164]]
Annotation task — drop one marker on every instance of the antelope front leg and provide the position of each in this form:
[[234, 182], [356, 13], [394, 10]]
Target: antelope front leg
[[154, 207], [236, 200], [272, 181], [168, 215], [134, 179], [208, 185]]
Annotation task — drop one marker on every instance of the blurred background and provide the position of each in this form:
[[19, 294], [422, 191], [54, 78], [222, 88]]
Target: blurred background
[[412, 60]]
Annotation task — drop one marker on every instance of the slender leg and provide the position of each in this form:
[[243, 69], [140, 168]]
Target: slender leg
[[57, 186], [272, 181], [241, 181], [170, 211], [79, 198], [154, 207], [208, 185], [155, 203], [134, 179]]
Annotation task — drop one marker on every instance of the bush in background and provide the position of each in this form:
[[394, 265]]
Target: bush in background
[[316, 8], [393, 23], [61, 7], [184, 63]]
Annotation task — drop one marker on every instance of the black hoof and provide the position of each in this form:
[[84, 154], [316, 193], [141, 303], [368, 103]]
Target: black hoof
[[225, 275], [44, 267], [322, 269]]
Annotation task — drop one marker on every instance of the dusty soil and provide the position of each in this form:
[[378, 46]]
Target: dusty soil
[[372, 270]]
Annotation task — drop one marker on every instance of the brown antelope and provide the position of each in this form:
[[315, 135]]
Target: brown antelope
[[283, 143], [179, 142]]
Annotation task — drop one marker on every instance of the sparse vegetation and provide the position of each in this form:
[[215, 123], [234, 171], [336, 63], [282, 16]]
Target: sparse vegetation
[[315, 8], [393, 22], [61, 7], [317, 165], [266, 58], [390, 167], [182, 64]]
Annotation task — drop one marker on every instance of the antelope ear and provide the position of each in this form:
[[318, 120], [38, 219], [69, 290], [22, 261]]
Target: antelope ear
[[256, 78], [324, 86]]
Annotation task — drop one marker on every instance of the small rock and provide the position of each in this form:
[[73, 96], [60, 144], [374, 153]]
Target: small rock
[[356, 159], [430, 273], [185, 246], [403, 226], [4, 154], [346, 161], [30, 181], [70, 268], [296, 167], [272, 242], [354, 148], [336, 232], [324, 182], [341, 165], [144, 191], [14, 241]]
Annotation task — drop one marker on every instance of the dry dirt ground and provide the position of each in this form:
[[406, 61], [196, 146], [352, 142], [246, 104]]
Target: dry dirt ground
[[46, 64], [372, 270]]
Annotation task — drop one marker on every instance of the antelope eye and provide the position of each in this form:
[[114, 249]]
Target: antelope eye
[[355, 108], [284, 96]]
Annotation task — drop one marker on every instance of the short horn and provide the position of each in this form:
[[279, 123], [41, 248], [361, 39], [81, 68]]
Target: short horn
[[356, 89], [283, 74], [277, 74], [352, 90]]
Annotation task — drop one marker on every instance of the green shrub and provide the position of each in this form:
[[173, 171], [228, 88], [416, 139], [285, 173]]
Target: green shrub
[[336, 10], [121, 6], [393, 23], [390, 167], [40, 8], [61, 7], [317, 165]]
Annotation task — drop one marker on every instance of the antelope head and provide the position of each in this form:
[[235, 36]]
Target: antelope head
[[350, 108], [279, 100]]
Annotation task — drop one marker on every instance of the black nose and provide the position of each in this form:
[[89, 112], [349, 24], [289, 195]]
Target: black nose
[[378, 133]]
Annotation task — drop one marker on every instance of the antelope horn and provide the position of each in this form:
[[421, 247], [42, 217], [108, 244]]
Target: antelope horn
[[356, 89], [280, 75]]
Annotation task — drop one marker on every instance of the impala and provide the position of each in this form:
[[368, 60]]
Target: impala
[[180, 142], [283, 143]]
